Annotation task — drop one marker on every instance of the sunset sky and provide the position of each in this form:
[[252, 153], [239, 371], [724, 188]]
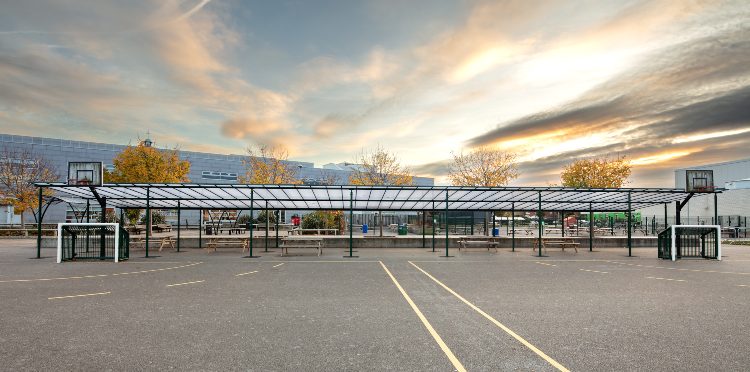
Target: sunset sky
[[665, 83]]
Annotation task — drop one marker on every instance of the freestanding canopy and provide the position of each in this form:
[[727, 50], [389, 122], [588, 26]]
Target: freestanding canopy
[[373, 198]]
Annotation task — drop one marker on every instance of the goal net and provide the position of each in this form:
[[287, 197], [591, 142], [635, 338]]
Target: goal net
[[91, 241], [684, 241]]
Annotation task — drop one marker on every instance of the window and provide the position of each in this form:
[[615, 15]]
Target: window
[[224, 176]]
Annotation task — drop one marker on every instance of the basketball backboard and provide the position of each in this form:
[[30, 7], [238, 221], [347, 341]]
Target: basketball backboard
[[85, 173], [699, 180]]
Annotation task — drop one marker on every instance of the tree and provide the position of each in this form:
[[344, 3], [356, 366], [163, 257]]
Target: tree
[[380, 167], [146, 164], [19, 169], [268, 165], [483, 166], [601, 172]]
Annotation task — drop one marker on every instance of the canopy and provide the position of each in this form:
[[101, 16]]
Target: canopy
[[382, 198]]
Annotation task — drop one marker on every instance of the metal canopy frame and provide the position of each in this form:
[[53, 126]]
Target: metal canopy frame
[[189, 196]]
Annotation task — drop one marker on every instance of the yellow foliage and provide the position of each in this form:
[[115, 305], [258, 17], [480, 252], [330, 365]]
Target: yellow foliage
[[380, 167], [267, 165], [483, 166], [596, 173], [19, 169], [144, 164]]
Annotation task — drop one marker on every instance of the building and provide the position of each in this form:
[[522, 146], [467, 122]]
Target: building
[[204, 168], [733, 203]]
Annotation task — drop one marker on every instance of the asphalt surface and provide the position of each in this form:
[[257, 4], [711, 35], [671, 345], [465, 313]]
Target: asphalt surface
[[588, 311]]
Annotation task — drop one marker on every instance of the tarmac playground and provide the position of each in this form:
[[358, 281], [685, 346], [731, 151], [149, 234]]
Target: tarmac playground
[[389, 309]]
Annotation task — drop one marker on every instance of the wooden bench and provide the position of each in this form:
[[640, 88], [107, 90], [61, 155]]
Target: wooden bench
[[301, 242], [161, 242], [214, 243], [557, 242], [478, 241]]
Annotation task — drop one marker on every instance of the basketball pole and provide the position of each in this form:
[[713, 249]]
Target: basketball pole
[[39, 226]]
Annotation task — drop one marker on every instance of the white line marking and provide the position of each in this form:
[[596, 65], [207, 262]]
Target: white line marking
[[507, 330], [251, 272], [81, 295], [452, 357], [671, 280], [278, 265], [595, 271], [175, 285], [543, 263]]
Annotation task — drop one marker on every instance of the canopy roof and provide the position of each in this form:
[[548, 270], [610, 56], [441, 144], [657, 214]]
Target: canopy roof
[[385, 198]]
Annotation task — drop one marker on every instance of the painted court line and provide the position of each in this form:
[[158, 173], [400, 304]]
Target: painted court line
[[98, 276], [682, 269], [543, 263], [251, 272], [80, 295], [175, 285], [278, 265], [452, 357], [595, 271], [507, 330], [671, 280], [743, 285]]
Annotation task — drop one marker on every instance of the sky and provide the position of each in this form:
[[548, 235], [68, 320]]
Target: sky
[[664, 83]]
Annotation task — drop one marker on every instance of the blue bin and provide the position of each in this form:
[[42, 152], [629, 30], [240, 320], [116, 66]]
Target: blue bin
[[496, 232], [364, 228]]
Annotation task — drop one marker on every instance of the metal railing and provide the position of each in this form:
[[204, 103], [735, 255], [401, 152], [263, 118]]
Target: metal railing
[[82, 242], [690, 241]]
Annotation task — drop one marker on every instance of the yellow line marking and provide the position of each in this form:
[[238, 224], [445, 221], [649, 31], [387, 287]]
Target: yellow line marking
[[456, 363], [175, 285], [251, 272], [80, 295], [595, 271], [507, 330], [278, 265], [671, 280], [98, 276]]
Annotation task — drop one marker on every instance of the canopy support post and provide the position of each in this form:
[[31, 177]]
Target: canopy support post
[[178, 225], [630, 229], [591, 228], [148, 217], [716, 211], [513, 226], [432, 215], [200, 228], [540, 221], [39, 225], [351, 225], [446, 226], [424, 221], [268, 221], [250, 239], [277, 217]]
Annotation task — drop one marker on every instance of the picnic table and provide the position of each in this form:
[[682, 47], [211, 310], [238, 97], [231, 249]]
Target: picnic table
[[556, 242], [217, 242], [160, 241], [481, 241], [301, 242]]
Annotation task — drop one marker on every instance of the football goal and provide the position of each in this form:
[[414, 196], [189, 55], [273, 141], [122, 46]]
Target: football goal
[[91, 241], [684, 241]]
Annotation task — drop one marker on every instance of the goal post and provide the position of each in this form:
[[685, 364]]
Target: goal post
[[92, 241], [683, 241]]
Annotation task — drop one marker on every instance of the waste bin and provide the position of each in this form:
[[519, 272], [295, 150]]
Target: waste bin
[[209, 230], [364, 228], [496, 232], [402, 229]]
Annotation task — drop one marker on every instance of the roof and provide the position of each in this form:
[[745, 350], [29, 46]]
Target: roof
[[394, 198]]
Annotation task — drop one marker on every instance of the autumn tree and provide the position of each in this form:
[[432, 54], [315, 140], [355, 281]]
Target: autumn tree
[[19, 169], [601, 172], [380, 167], [483, 166], [268, 165], [146, 164]]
